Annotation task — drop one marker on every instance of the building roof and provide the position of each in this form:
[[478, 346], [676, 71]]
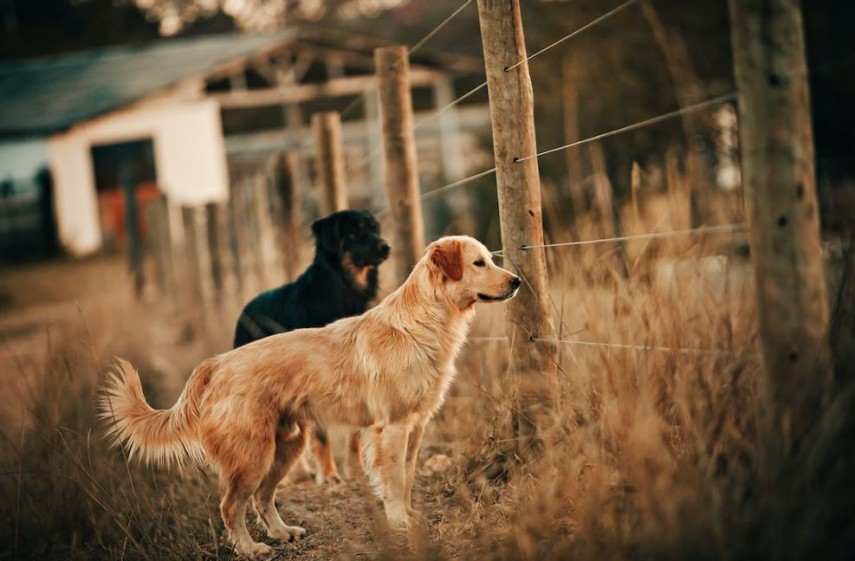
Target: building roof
[[49, 94]]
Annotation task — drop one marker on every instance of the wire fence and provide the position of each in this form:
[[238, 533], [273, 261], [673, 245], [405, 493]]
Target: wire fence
[[350, 107], [626, 346], [651, 121], [442, 110]]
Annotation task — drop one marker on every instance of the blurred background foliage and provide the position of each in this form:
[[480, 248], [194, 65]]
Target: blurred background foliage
[[623, 75]]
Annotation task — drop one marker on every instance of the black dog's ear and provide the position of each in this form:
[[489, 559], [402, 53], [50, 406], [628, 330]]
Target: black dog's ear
[[327, 232]]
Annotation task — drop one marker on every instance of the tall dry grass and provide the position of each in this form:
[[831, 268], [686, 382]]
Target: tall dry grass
[[654, 453]]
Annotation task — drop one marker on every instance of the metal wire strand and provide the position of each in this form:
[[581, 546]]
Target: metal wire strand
[[641, 124], [439, 27], [361, 97], [573, 34], [651, 236], [626, 346]]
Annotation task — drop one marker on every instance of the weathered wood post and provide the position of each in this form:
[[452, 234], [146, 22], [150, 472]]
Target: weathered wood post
[[689, 90], [288, 204], [128, 182], [399, 147], [779, 177], [160, 233], [533, 350], [197, 266], [244, 255], [604, 202], [269, 266], [219, 247], [570, 97], [635, 188], [329, 155]]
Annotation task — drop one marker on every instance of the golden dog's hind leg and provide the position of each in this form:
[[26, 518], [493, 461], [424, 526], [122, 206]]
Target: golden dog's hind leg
[[413, 446], [233, 509], [242, 457], [290, 443], [388, 449]]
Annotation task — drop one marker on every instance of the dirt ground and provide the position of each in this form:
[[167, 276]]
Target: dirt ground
[[42, 303]]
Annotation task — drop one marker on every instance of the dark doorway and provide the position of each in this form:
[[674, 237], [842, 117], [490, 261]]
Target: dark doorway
[[124, 169], [125, 179]]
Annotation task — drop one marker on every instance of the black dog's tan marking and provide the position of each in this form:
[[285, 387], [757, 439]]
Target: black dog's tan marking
[[340, 282]]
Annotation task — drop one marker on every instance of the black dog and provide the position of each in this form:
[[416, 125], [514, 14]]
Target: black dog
[[340, 282]]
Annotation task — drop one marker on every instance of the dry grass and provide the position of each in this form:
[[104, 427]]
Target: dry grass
[[654, 454]]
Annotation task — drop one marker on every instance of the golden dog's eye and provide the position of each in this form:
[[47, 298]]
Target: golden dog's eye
[[479, 263]]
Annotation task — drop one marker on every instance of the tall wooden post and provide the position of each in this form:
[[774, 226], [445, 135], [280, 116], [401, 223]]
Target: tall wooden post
[[160, 232], [219, 247], [779, 177], [570, 98], [635, 188], [689, 92], [533, 350], [269, 266], [244, 256], [197, 266], [288, 203], [329, 152], [128, 183], [603, 195], [399, 146], [604, 202]]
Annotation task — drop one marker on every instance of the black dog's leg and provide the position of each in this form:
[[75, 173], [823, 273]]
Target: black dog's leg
[[325, 464]]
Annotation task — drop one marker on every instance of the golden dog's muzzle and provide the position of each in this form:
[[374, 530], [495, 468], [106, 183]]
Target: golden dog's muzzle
[[513, 286]]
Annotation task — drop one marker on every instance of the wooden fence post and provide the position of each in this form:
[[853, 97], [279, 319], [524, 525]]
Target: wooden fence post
[[688, 88], [575, 172], [635, 188], [244, 256], [160, 234], [128, 185], [197, 266], [288, 206], [269, 266], [399, 146], [219, 247], [604, 202], [530, 329], [329, 153], [778, 174]]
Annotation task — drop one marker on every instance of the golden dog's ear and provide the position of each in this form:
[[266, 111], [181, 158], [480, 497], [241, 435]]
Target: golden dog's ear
[[449, 258]]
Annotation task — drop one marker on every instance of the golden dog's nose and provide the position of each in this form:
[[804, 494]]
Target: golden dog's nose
[[516, 282]]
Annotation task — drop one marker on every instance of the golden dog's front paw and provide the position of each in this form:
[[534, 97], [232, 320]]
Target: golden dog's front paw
[[253, 549], [286, 533]]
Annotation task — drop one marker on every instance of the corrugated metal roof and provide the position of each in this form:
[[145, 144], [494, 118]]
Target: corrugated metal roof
[[49, 94]]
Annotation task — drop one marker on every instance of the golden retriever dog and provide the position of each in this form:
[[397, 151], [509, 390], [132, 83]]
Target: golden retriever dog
[[247, 411]]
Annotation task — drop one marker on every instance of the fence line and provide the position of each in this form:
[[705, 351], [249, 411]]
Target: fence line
[[641, 124], [361, 97], [438, 28], [574, 33], [627, 128], [449, 187], [484, 84], [442, 110], [650, 236], [626, 346]]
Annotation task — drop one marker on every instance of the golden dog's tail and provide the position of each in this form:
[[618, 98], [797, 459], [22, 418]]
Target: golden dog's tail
[[162, 437]]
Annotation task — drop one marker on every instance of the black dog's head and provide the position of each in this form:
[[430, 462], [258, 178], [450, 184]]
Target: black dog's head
[[353, 236]]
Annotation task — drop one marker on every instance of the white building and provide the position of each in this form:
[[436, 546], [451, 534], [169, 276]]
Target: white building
[[154, 118]]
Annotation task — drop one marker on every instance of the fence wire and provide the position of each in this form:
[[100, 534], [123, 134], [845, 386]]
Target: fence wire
[[626, 346], [350, 107], [585, 27]]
